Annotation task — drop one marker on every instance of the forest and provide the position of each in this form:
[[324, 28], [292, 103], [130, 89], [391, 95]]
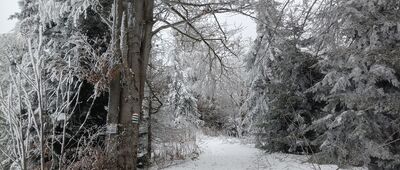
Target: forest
[[137, 84]]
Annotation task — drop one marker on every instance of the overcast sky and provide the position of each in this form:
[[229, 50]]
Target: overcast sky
[[7, 8], [246, 23]]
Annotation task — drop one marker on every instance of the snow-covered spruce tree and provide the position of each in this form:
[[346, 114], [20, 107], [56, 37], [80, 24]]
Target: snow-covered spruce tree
[[359, 50], [181, 97], [278, 109], [256, 101]]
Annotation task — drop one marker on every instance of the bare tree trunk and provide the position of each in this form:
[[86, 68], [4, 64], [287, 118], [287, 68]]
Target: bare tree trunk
[[115, 88], [133, 23], [149, 133]]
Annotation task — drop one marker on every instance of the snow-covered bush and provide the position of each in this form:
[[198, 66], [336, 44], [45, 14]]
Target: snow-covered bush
[[41, 101]]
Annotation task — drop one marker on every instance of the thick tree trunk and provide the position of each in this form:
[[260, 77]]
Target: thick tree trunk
[[133, 23]]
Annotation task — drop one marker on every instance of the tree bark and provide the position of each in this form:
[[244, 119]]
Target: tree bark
[[114, 88], [133, 23], [149, 133]]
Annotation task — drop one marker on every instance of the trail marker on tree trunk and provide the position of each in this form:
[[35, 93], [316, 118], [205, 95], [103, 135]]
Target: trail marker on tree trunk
[[135, 118]]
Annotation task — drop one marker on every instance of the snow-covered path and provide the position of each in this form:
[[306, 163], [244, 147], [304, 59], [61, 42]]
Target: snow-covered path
[[219, 153]]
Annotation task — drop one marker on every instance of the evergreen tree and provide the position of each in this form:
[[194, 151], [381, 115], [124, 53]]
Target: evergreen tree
[[359, 47], [283, 71]]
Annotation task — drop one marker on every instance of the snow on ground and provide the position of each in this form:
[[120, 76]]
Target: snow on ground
[[220, 153]]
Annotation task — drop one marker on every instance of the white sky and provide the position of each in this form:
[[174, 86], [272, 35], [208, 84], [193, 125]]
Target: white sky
[[7, 8], [246, 23]]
